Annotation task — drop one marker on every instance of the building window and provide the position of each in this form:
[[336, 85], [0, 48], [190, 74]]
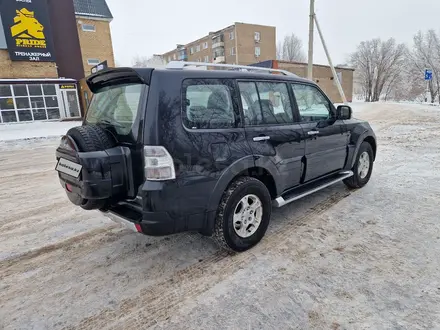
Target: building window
[[174, 57], [88, 27], [198, 48], [205, 45], [257, 51], [169, 58], [207, 59], [231, 35], [257, 36], [191, 50], [93, 61], [233, 51], [28, 103]]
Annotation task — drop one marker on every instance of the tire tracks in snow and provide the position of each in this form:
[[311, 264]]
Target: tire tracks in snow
[[158, 302]]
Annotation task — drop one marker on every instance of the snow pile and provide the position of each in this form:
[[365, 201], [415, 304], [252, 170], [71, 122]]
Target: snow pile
[[36, 130]]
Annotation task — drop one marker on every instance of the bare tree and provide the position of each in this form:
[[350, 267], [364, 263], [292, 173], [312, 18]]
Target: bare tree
[[291, 49], [279, 50], [155, 61], [426, 55], [378, 64]]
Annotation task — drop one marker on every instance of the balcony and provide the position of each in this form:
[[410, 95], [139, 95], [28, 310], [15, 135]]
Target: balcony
[[219, 59], [218, 44]]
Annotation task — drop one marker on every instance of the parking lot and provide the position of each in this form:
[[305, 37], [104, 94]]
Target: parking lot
[[339, 259]]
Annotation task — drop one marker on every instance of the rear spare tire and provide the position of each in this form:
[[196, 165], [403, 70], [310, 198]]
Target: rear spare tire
[[90, 138]]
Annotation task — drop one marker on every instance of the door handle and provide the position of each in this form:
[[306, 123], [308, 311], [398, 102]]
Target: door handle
[[313, 132], [261, 138]]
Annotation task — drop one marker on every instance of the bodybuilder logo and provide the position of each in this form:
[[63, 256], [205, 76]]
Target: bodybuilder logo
[[28, 31]]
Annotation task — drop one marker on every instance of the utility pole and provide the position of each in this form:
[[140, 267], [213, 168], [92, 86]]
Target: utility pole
[[311, 27], [335, 75]]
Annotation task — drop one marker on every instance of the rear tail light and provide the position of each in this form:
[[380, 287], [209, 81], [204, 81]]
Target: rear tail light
[[159, 165]]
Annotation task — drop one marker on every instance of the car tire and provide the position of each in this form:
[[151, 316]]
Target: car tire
[[91, 138], [363, 167], [241, 201]]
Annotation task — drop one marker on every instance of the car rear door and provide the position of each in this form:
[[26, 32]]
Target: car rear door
[[271, 128], [326, 136]]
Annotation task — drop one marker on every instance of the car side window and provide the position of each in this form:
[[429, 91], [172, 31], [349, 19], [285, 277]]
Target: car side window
[[312, 105], [268, 103], [208, 105]]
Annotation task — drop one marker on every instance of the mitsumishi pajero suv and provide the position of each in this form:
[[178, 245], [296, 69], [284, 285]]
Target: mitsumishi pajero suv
[[210, 150]]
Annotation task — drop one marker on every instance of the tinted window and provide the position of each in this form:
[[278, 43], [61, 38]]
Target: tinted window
[[115, 106], [312, 104], [266, 103], [208, 104]]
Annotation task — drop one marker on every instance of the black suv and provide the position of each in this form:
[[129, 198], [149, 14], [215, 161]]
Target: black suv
[[170, 150]]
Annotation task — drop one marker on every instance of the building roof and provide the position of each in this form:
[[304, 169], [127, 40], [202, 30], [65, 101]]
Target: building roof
[[92, 8], [317, 65]]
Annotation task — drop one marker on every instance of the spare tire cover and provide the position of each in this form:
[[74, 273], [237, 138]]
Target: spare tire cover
[[90, 138]]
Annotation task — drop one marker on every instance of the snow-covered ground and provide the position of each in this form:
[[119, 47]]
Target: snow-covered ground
[[339, 259], [35, 130]]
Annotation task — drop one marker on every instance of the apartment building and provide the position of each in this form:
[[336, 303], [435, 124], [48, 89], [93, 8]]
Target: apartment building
[[240, 43]]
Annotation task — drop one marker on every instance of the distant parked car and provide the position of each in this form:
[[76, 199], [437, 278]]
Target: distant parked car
[[171, 150]]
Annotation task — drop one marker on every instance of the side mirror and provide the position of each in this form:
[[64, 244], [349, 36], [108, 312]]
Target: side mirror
[[343, 112]]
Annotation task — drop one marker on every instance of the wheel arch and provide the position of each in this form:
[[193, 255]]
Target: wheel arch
[[265, 172], [367, 136], [372, 141]]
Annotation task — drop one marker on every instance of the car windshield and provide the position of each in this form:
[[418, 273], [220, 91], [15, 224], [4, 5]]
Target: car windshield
[[116, 106]]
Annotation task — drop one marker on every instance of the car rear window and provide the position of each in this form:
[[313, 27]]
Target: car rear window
[[116, 106], [208, 104]]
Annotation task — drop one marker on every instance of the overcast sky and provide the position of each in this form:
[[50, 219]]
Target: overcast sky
[[142, 28]]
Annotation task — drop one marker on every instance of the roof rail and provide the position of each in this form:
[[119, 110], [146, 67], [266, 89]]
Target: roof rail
[[182, 64]]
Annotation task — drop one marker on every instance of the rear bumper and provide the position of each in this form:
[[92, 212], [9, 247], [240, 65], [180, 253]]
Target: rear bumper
[[157, 223]]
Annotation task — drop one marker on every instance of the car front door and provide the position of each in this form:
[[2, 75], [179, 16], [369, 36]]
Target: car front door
[[326, 136], [271, 129]]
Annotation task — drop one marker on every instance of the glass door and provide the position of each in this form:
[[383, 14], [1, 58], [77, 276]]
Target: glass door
[[71, 103]]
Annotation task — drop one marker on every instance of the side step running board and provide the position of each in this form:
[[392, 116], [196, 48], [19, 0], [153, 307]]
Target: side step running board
[[310, 189]]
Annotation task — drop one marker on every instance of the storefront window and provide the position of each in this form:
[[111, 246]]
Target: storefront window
[[9, 116], [6, 103], [37, 102], [39, 114], [5, 90], [20, 90], [29, 102], [35, 90], [22, 102], [51, 101], [24, 115], [53, 113], [49, 90]]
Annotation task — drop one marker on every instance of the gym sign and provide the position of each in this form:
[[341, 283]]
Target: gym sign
[[27, 30]]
